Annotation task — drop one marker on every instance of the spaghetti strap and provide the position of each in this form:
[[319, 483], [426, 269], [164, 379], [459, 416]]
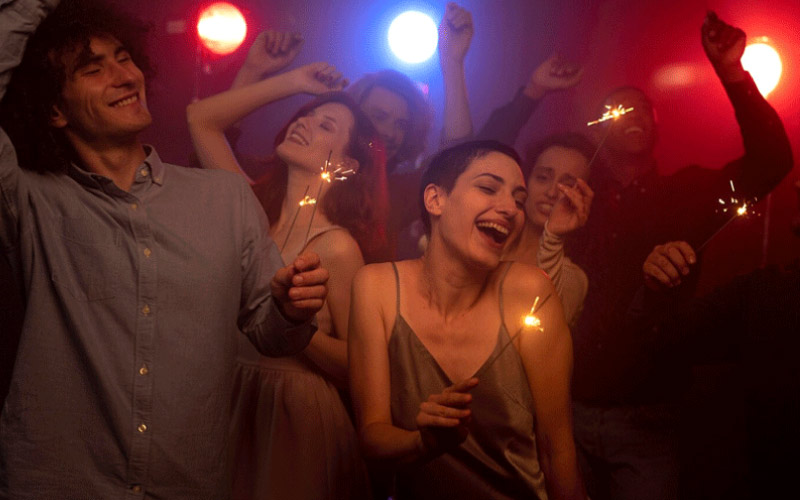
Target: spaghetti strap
[[500, 290], [397, 283]]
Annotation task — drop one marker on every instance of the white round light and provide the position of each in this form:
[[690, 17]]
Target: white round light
[[764, 64], [413, 36]]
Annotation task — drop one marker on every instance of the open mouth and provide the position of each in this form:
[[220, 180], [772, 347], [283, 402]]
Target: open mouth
[[125, 101], [633, 130], [496, 232], [297, 137], [544, 208]]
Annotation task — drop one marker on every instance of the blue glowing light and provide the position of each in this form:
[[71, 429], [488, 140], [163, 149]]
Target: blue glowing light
[[413, 37]]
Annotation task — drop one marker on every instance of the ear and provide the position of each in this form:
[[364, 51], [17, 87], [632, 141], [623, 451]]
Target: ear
[[57, 118], [434, 198]]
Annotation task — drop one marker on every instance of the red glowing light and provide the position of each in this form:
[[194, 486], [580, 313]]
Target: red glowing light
[[222, 28], [764, 64]]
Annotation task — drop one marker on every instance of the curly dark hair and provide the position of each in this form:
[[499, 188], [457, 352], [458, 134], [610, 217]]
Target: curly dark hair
[[421, 114], [567, 140], [359, 204], [37, 84], [447, 166]]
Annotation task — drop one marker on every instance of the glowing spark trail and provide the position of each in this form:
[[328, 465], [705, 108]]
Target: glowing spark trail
[[530, 321], [611, 114]]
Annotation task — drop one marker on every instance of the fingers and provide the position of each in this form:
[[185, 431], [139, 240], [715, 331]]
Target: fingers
[[668, 263], [463, 386], [331, 77], [446, 413]]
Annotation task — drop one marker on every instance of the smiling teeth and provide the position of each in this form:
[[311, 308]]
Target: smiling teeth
[[493, 225], [125, 102], [299, 137]]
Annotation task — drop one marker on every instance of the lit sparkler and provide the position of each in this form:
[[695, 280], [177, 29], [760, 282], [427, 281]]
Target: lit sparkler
[[735, 206], [529, 322], [307, 200], [327, 175], [612, 114]]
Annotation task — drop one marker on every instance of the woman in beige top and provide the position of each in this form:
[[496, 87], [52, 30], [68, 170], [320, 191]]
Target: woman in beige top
[[558, 203], [425, 334]]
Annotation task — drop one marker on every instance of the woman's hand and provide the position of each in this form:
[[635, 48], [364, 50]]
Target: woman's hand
[[572, 208], [556, 73], [442, 419], [318, 78]]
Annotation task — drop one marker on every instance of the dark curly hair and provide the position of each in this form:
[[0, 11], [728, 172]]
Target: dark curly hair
[[446, 167], [421, 114], [37, 84], [359, 204], [567, 140]]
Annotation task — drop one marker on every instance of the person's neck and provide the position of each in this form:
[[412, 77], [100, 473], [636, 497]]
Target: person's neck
[[300, 183], [527, 245], [626, 167], [117, 161], [450, 286]]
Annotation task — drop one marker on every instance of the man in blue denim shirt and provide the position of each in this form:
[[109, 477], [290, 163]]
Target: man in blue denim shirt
[[135, 273]]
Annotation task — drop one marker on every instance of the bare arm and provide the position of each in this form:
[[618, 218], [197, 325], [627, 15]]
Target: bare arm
[[547, 358], [209, 117], [342, 258], [455, 35]]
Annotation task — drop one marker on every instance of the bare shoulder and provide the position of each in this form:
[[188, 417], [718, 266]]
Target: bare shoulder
[[374, 280], [337, 247], [524, 281]]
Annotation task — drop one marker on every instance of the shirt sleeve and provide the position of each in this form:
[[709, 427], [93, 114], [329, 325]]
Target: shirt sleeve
[[569, 280], [768, 154], [18, 20], [505, 122], [259, 317]]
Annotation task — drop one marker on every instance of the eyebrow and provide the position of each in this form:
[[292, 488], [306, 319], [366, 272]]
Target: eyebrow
[[85, 58], [502, 181]]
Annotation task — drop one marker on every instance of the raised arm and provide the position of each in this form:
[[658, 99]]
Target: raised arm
[[768, 154], [455, 35], [18, 20], [554, 74], [209, 117], [547, 357], [569, 213], [270, 53]]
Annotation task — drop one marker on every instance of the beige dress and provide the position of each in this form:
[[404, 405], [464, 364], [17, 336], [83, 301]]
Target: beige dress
[[292, 437], [498, 460]]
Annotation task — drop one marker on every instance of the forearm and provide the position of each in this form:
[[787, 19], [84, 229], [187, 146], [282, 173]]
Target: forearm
[[562, 476], [457, 119], [220, 111], [385, 442], [329, 355], [505, 123], [768, 154], [274, 335]]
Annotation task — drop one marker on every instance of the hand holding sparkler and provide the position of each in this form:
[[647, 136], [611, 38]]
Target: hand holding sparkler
[[571, 210], [442, 419], [300, 288], [667, 264], [556, 73]]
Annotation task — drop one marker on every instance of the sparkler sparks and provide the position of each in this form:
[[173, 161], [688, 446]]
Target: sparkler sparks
[[611, 114], [529, 322], [738, 208]]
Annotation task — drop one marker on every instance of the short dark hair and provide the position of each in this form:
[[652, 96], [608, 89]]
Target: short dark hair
[[420, 113], [37, 84], [567, 140], [447, 166]]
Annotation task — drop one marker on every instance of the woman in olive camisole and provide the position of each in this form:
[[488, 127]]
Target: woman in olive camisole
[[443, 388]]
